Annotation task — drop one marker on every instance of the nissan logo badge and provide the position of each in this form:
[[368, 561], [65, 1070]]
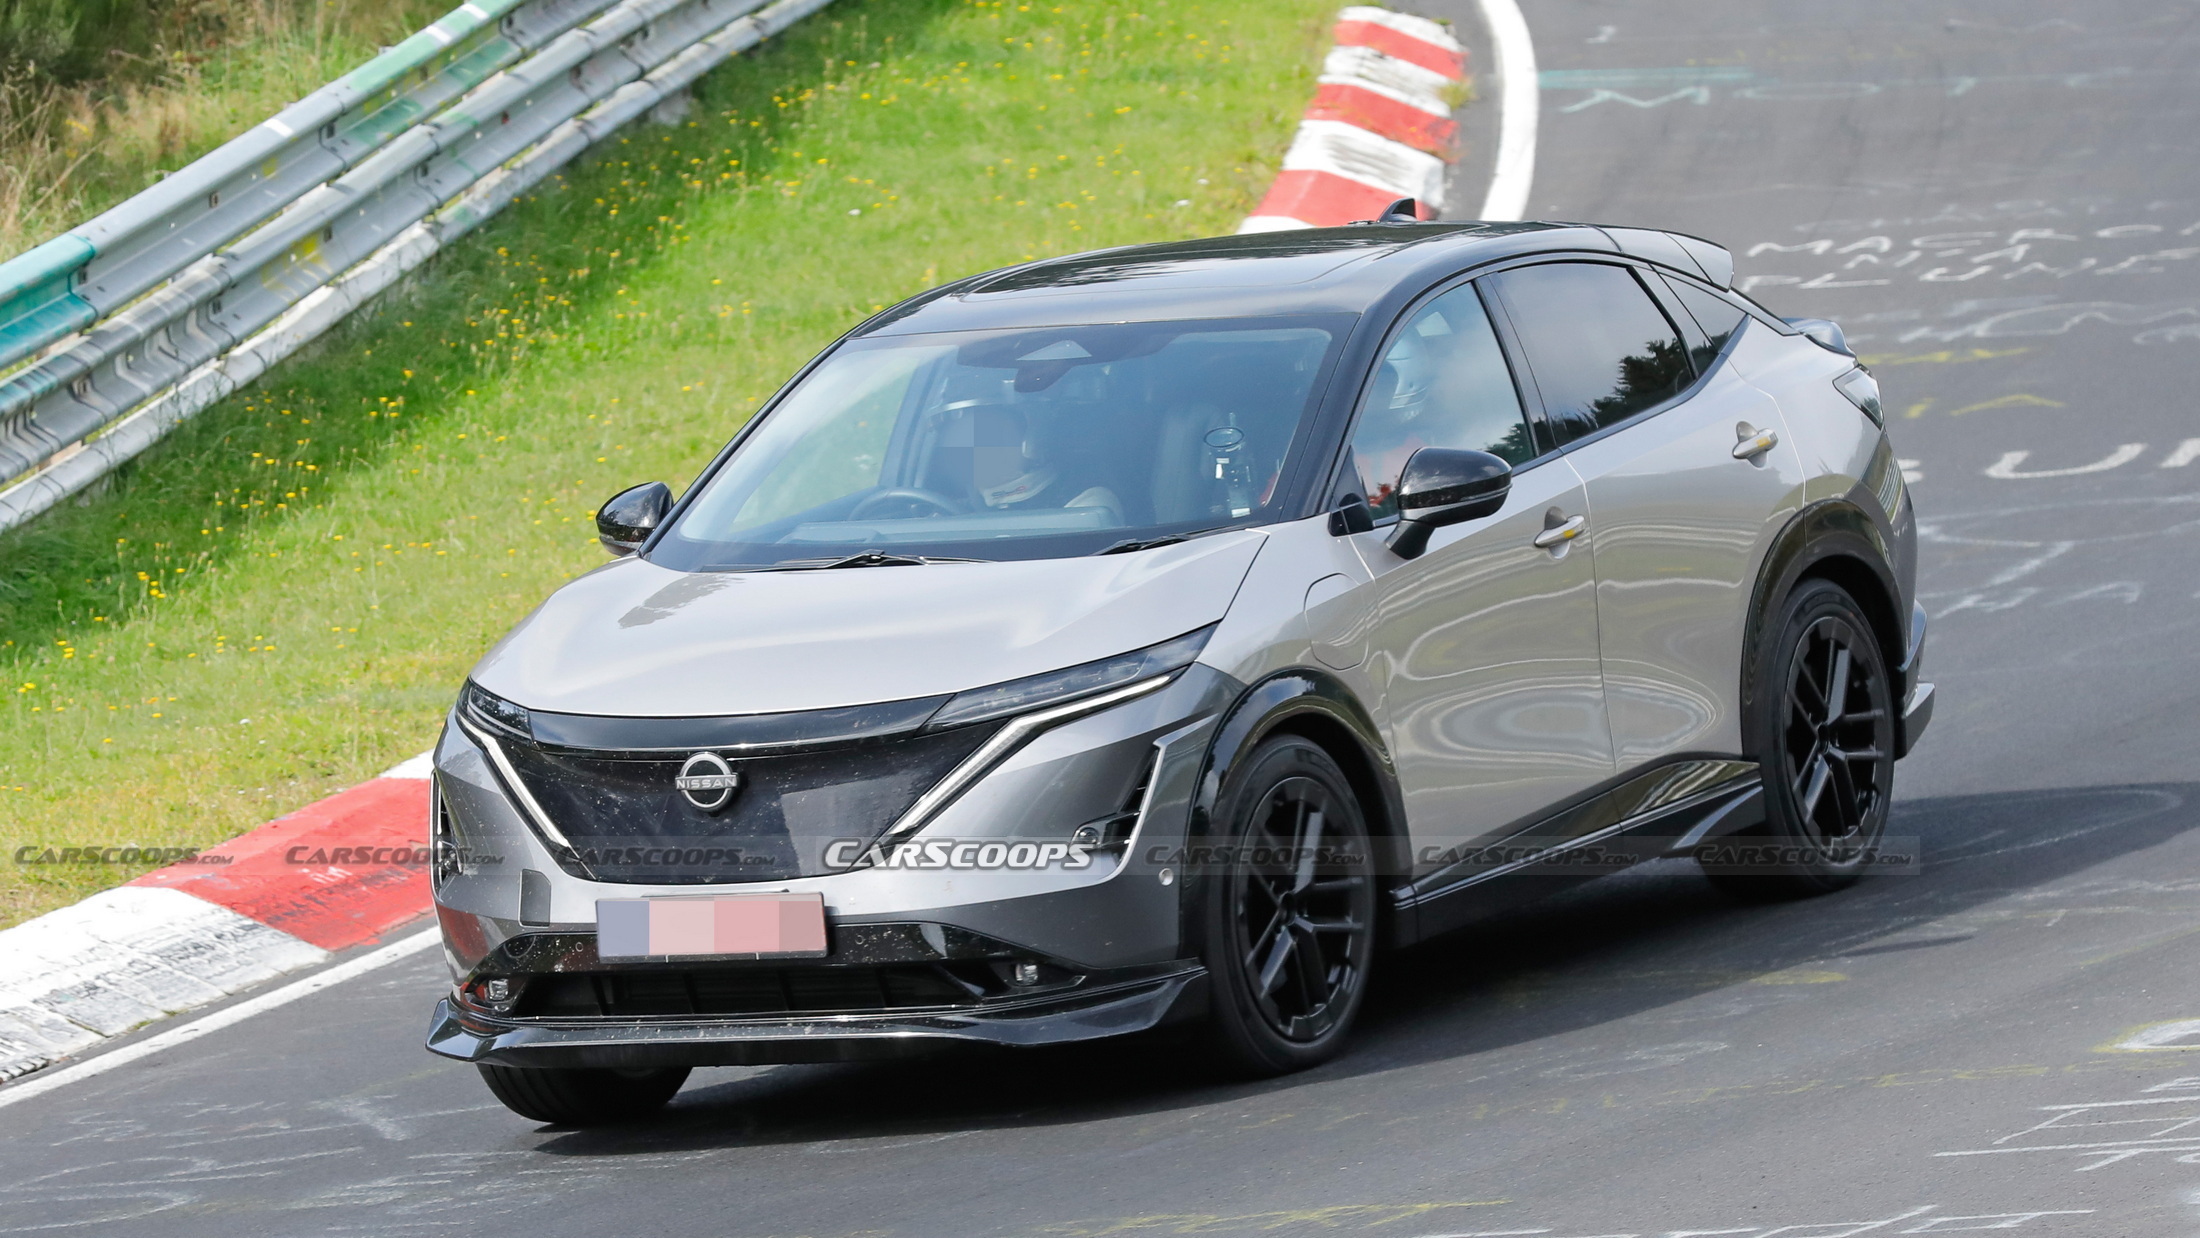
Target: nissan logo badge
[[707, 781]]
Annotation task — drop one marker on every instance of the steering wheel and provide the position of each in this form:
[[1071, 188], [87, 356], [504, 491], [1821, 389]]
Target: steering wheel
[[940, 504]]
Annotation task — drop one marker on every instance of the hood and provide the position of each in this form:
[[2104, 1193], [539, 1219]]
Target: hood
[[636, 640]]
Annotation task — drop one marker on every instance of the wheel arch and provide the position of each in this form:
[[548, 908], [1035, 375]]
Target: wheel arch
[[1835, 540], [1315, 706]]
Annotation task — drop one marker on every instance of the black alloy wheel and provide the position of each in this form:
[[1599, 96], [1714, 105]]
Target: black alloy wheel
[[1290, 910], [1822, 727]]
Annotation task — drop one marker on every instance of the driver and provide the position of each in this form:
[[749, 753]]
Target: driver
[[1010, 472]]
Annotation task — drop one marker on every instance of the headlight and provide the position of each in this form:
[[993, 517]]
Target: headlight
[[1040, 702], [485, 708], [1058, 687]]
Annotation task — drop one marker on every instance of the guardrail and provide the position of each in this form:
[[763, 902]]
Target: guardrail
[[184, 293]]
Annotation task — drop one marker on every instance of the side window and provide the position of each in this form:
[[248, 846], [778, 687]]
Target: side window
[[1719, 317], [1600, 348], [1443, 383]]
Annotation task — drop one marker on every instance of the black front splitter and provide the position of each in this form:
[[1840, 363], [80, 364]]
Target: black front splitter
[[631, 1044]]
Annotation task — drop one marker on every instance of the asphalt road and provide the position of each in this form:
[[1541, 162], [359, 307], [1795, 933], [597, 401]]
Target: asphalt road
[[2003, 204]]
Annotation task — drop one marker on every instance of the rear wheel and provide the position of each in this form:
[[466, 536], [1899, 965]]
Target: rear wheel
[[1821, 722], [572, 1096], [1289, 911]]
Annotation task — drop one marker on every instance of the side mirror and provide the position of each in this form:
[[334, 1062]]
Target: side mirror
[[627, 518], [1439, 487]]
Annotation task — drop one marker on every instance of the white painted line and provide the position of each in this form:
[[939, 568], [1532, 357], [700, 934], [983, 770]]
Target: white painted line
[[2154, 1039], [2187, 452], [281, 129], [1271, 223], [420, 766], [440, 35], [474, 11], [396, 951], [2005, 469], [1517, 100]]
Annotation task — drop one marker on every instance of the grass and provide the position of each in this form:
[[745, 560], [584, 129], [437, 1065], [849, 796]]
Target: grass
[[282, 599], [99, 97]]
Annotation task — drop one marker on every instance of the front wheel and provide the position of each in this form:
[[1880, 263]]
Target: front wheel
[[574, 1096], [1289, 911], [1821, 722]]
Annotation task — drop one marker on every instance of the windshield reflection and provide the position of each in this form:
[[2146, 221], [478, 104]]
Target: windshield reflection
[[1033, 443]]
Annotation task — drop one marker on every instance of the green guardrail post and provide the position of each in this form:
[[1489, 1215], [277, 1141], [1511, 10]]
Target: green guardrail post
[[37, 301]]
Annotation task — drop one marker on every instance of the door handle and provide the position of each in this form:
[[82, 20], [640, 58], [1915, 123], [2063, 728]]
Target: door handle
[[1755, 443], [1560, 534]]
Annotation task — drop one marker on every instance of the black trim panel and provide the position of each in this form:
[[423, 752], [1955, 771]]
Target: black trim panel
[[735, 731], [1666, 809]]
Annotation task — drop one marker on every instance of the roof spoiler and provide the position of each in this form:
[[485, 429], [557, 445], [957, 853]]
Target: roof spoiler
[[1677, 250]]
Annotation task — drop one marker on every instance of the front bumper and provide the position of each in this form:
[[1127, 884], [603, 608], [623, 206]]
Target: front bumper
[[1087, 1013], [1917, 695], [920, 957]]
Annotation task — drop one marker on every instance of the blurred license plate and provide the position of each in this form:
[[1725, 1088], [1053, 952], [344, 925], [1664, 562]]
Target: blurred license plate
[[738, 925]]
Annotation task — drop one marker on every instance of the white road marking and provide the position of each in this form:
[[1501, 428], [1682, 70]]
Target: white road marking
[[396, 951], [2006, 467], [2187, 452], [1919, 1223], [1518, 100], [412, 767], [2163, 1131], [2162, 1036]]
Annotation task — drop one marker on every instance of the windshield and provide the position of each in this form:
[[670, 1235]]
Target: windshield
[[1019, 444]]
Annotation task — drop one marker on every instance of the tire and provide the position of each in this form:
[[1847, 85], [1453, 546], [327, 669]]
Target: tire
[[1287, 913], [565, 1096], [1827, 757]]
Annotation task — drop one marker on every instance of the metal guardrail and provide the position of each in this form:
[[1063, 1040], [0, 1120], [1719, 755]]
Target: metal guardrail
[[176, 298]]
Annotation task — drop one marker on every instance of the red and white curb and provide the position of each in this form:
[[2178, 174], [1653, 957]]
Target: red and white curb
[[288, 895], [1379, 128]]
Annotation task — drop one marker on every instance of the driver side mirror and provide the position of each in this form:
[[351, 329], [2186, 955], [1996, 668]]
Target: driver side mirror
[[1440, 486], [627, 518]]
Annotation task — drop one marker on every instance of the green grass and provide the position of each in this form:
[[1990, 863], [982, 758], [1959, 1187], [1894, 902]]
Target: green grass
[[282, 599], [99, 97]]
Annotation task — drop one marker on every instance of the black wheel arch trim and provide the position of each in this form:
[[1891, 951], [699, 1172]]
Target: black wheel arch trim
[[1318, 707], [1843, 540]]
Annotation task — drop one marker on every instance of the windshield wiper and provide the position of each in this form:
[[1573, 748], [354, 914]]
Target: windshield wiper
[[866, 558], [1148, 543]]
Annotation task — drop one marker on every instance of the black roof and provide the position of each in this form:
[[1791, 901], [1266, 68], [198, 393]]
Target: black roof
[[1315, 270]]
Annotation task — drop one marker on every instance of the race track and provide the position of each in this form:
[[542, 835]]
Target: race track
[[2002, 204]]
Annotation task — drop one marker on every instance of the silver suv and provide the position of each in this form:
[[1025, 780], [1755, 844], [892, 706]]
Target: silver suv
[[1153, 636]]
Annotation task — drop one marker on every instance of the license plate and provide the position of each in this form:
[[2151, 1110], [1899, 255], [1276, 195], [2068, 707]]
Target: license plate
[[721, 926]]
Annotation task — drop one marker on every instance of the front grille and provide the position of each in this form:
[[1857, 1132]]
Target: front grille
[[629, 823], [729, 992]]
